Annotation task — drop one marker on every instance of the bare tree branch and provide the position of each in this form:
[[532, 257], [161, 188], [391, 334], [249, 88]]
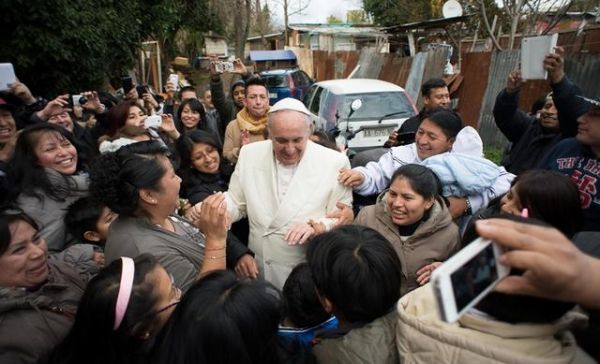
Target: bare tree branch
[[486, 22]]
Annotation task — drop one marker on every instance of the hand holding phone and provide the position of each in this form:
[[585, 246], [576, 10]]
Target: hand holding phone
[[153, 121], [467, 277], [7, 76]]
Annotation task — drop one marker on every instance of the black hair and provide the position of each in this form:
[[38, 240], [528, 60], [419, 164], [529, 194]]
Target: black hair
[[185, 145], [222, 320], [116, 178], [300, 303], [186, 89], [93, 325], [82, 215], [357, 270], [421, 179], [9, 215], [449, 121], [25, 173], [255, 81], [432, 83], [539, 104], [551, 197], [516, 309], [196, 106]]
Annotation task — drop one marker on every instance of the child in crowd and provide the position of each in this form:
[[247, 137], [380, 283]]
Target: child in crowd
[[357, 275], [302, 312], [88, 221]]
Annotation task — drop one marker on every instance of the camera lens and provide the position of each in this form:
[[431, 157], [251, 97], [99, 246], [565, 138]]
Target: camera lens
[[82, 100]]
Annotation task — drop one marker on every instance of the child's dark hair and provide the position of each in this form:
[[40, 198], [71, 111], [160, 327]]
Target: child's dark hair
[[551, 197], [300, 303], [447, 120], [222, 319], [357, 270], [82, 215]]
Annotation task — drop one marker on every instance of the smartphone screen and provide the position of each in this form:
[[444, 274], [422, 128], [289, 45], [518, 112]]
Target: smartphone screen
[[127, 84], [474, 277]]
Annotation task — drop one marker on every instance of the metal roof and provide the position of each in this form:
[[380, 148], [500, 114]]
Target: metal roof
[[340, 29], [433, 23], [279, 55]]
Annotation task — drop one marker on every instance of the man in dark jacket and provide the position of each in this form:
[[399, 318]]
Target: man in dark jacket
[[577, 157], [531, 137], [435, 94], [228, 107]]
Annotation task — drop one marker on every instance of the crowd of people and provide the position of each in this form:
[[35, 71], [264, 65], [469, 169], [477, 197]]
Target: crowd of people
[[224, 231]]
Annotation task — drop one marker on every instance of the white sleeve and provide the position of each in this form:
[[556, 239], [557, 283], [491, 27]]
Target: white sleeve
[[235, 197], [377, 175], [500, 187]]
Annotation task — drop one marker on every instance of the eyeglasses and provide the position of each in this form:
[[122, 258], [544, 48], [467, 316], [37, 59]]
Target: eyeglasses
[[177, 296]]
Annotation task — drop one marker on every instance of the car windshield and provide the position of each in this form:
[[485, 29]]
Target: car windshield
[[374, 105], [275, 80]]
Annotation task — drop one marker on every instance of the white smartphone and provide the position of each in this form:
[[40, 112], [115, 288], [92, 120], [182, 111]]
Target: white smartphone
[[153, 121], [7, 76], [467, 277], [174, 79]]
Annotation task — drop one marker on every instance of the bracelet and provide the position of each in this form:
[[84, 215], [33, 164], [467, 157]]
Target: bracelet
[[468, 209], [209, 249], [216, 256]]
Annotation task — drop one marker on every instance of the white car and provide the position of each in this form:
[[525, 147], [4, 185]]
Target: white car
[[383, 108]]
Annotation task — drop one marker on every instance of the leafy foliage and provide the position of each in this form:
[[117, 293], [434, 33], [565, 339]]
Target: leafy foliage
[[395, 12], [60, 46]]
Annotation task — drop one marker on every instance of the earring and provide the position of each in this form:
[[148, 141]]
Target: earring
[[146, 335]]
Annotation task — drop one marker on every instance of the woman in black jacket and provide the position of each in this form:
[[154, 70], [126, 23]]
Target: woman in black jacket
[[203, 172]]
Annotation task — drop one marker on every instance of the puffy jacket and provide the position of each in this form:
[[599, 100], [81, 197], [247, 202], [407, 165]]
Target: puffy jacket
[[423, 338], [33, 323], [436, 238]]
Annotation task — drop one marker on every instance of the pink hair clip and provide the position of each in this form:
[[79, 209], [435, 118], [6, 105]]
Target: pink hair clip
[[525, 213]]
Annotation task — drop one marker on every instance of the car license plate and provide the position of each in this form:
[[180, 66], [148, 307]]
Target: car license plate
[[272, 95], [381, 132]]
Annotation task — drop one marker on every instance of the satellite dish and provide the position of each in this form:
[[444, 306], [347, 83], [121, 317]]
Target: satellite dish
[[452, 9]]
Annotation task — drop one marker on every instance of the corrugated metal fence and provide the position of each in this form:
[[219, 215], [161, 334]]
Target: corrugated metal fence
[[484, 76], [583, 69]]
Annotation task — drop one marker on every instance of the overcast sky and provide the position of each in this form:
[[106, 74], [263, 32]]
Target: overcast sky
[[317, 11]]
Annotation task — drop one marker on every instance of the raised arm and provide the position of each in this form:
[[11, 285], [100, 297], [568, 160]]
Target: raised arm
[[511, 121]]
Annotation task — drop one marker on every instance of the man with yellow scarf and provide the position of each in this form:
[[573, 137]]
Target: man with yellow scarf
[[250, 123]]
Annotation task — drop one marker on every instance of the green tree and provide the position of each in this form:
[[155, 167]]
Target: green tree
[[356, 17], [394, 12], [60, 46]]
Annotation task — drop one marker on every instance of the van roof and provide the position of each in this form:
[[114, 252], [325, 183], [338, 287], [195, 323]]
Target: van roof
[[358, 86]]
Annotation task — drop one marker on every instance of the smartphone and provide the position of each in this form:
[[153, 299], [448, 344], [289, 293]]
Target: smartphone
[[141, 90], [78, 100], [223, 67], [467, 277], [7, 76], [153, 121], [174, 79], [127, 84]]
